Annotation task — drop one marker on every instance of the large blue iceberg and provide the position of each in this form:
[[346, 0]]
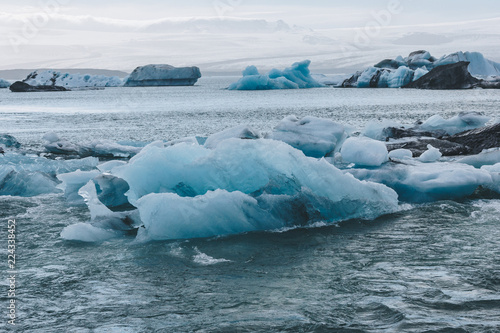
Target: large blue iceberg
[[297, 76]]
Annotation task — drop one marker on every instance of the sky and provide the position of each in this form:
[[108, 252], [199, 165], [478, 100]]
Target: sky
[[220, 35]]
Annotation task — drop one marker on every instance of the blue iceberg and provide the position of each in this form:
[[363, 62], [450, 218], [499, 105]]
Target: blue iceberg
[[297, 76]]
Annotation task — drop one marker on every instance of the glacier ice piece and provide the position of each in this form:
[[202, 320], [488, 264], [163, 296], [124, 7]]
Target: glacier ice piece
[[163, 75], [424, 182], [84, 232], [400, 154], [486, 157], [494, 171], [73, 181], [240, 132], [364, 151], [316, 137], [269, 177], [431, 155], [464, 121], [97, 148], [4, 83], [297, 76], [24, 175]]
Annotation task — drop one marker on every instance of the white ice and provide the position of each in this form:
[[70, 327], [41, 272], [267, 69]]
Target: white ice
[[364, 151], [240, 132], [52, 77], [431, 155], [462, 122], [316, 137]]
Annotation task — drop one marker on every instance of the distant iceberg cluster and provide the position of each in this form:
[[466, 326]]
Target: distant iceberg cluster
[[298, 76], [304, 171], [400, 72], [4, 83]]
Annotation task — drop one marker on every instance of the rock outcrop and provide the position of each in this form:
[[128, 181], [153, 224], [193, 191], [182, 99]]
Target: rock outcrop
[[24, 87], [452, 76]]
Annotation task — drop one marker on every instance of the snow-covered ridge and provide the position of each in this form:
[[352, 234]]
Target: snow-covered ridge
[[55, 78]]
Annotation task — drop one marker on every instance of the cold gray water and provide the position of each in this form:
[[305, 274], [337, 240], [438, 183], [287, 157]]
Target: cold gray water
[[432, 267]]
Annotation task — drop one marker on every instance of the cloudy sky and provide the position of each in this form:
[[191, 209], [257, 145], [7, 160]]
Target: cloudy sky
[[226, 35]]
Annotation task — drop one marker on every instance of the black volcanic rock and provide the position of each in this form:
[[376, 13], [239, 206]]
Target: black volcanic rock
[[478, 139], [398, 133], [452, 76], [24, 87], [419, 146]]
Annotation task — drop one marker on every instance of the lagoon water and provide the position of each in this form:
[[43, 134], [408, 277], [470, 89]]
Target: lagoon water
[[432, 267]]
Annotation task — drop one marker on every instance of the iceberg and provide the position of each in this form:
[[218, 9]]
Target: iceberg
[[431, 155], [163, 75], [494, 171], [66, 80], [486, 157], [73, 181], [297, 76], [240, 132], [462, 122], [421, 70], [316, 137], [27, 176], [190, 191], [364, 152], [102, 148], [400, 154], [4, 83], [426, 182]]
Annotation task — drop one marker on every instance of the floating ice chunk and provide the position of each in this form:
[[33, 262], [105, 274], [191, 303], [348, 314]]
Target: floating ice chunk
[[316, 137], [25, 183], [494, 171], [28, 176], [206, 260], [194, 140], [297, 76], [101, 216], [108, 166], [4, 83], [486, 157], [479, 65], [111, 190], [104, 148], [401, 77], [419, 72], [84, 232], [462, 122], [265, 180], [8, 141], [169, 216], [51, 77], [401, 154], [375, 129], [163, 75], [240, 132], [427, 181], [431, 155], [73, 181], [364, 152]]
